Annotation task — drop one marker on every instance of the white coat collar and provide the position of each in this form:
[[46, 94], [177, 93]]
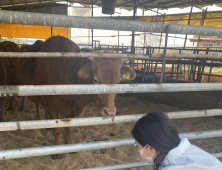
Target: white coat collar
[[176, 152]]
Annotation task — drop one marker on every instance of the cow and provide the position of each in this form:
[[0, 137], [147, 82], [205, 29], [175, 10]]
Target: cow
[[9, 72], [31, 48], [49, 71], [2, 82]]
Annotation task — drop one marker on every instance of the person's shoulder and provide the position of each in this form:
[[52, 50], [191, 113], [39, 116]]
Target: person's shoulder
[[197, 157]]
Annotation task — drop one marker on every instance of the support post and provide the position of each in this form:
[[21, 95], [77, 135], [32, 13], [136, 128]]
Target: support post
[[190, 71], [151, 66], [144, 43], [92, 29], [194, 71], [204, 16], [118, 39], [161, 34], [137, 64], [172, 70], [134, 15], [210, 72], [184, 71], [154, 75], [188, 23], [164, 55], [202, 71], [178, 68], [144, 71], [51, 31]]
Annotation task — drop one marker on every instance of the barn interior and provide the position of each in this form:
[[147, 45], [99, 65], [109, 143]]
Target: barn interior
[[197, 66]]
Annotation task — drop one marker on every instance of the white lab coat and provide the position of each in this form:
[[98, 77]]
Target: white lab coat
[[189, 157]]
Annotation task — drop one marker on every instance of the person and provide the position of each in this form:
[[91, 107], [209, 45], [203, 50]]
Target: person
[[158, 142]]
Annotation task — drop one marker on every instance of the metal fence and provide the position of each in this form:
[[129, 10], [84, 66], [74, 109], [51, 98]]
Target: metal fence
[[15, 17], [109, 55], [68, 122], [38, 90]]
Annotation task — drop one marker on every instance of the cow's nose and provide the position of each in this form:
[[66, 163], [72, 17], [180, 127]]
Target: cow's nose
[[110, 112]]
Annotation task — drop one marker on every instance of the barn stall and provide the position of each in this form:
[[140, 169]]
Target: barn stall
[[106, 138]]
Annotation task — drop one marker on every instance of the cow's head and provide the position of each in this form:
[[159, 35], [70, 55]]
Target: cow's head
[[106, 71]]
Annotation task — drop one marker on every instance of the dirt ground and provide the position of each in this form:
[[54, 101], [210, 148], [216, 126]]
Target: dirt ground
[[87, 159]]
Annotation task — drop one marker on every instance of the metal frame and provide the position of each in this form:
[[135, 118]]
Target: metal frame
[[28, 18], [56, 123], [109, 55], [188, 23], [14, 17], [39, 90], [164, 54], [68, 148], [204, 16]]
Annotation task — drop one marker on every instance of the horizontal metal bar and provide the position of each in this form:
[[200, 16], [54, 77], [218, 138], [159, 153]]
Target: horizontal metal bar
[[59, 149], [107, 55], [39, 90], [55, 123], [190, 56], [28, 18], [69, 54], [217, 155], [122, 166], [133, 165]]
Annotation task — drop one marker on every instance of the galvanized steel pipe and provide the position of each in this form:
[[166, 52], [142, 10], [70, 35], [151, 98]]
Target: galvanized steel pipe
[[38, 90], [55, 123], [133, 165], [59, 149], [122, 166], [107, 55], [28, 18]]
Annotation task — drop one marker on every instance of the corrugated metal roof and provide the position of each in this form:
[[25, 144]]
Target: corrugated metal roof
[[126, 4]]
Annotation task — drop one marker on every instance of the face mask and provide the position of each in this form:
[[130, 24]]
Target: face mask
[[147, 159]]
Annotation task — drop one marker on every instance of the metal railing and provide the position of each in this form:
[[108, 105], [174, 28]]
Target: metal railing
[[68, 148], [38, 90], [108, 55], [26, 18], [58, 123]]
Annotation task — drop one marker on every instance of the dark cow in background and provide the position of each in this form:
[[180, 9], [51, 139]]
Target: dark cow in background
[[32, 48], [9, 72], [49, 71], [2, 82]]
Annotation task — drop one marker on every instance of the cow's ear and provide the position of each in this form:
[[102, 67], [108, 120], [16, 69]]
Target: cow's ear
[[84, 72], [127, 73]]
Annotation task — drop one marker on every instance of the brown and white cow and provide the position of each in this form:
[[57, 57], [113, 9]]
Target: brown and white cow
[[49, 71]]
